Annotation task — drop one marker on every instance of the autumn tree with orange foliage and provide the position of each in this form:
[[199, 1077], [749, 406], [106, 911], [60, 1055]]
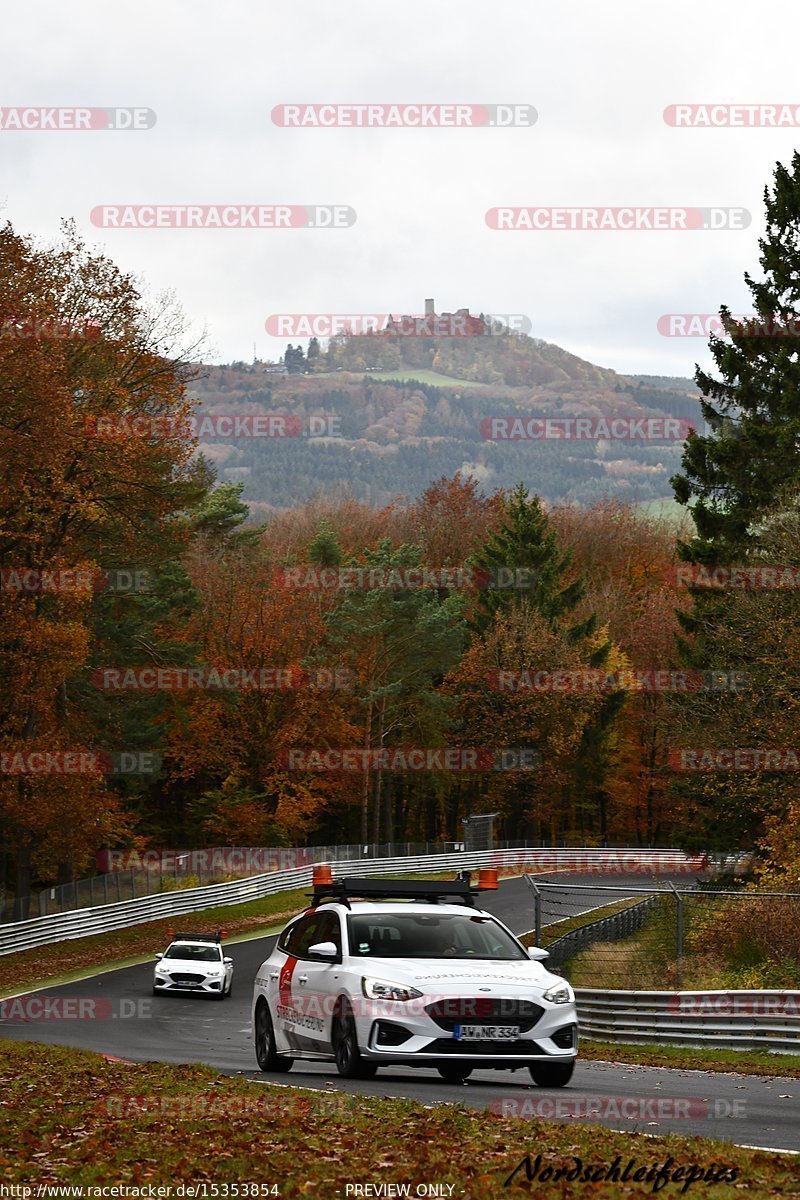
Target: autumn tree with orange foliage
[[626, 559], [77, 345]]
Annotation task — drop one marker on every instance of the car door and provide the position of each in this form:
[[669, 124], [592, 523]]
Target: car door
[[289, 986], [318, 983]]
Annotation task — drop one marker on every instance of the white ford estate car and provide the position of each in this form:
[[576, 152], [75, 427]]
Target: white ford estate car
[[383, 972], [194, 962]]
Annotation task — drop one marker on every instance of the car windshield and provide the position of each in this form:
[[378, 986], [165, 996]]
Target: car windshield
[[430, 935], [194, 953]]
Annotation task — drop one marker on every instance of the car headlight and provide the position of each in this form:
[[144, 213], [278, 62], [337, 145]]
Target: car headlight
[[562, 993], [380, 989], [213, 972], [162, 970]]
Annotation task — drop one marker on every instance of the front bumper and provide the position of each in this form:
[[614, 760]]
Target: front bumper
[[202, 984], [396, 1032]]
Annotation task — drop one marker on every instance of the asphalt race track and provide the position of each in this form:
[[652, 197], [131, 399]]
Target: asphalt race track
[[748, 1110]]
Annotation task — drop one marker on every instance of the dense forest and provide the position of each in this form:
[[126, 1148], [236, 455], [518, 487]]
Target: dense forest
[[338, 667], [379, 439]]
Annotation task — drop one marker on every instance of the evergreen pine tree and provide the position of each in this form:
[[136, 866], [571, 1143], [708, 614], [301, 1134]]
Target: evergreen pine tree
[[752, 449]]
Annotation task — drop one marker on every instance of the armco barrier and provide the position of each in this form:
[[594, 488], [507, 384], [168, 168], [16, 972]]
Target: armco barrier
[[607, 929], [105, 918], [738, 1020]]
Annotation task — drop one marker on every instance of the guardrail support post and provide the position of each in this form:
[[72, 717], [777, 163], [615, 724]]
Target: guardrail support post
[[537, 910], [678, 936]]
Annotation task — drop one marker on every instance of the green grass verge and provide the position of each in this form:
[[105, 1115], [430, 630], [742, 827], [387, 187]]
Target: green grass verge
[[742, 1062], [71, 1117], [551, 933], [82, 956]]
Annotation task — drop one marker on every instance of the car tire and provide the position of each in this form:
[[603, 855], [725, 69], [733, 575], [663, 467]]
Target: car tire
[[267, 1057], [551, 1075], [454, 1072], [349, 1062]]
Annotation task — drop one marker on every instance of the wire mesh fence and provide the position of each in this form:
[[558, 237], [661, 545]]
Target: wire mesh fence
[[129, 875], [667, 937], [169, 870]]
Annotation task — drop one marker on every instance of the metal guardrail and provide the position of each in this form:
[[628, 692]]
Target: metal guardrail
[[736, 1020], [105, 918], [607, 929], [131, 874]]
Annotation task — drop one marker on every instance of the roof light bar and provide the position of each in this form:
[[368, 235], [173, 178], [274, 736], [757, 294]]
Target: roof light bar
[[430, 890]]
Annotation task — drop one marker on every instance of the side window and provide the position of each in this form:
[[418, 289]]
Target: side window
[[316, 927], [289, 939], [329, 930]]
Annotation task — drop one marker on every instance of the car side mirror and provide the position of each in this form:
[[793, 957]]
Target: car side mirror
[[159, 954], [537, 954], [324, 952], [228, 962]]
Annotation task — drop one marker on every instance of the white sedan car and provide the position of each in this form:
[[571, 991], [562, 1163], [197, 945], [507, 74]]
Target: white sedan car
[[194, 962], [429, 981]]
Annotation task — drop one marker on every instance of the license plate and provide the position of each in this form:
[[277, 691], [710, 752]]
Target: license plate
[[486, 1033]]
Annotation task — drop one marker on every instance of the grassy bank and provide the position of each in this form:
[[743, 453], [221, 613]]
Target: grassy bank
[[742, 1062], [66, 960], [74, 1118]]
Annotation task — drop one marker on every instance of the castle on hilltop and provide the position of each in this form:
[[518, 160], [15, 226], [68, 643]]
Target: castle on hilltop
[[457, 324]]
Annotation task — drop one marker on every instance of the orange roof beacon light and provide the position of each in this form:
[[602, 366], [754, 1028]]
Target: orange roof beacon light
[[487, 878], [321, 875], [223, 933]]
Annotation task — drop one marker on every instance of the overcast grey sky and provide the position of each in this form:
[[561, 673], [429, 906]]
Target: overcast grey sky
[[599, 76]]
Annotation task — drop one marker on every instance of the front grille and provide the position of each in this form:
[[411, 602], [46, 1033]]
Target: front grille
[[484, 1010], [518, 1049], [178, 977]]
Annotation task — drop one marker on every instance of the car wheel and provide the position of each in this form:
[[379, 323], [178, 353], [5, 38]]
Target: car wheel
[[267, 1056], [454, 1072], [349, 1062], [546, 1074]]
